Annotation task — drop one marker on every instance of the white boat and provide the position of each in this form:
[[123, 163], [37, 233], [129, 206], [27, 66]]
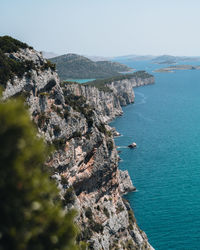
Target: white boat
[[133, 145]]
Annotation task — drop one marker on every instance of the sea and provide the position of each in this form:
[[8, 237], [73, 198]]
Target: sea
[[164, 121]]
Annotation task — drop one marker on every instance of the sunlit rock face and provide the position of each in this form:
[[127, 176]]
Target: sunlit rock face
[[85, 164]]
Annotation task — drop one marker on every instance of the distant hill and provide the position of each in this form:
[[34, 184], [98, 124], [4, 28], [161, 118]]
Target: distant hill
[[133, 58], [98, 58], [167, 59], [79, 67]]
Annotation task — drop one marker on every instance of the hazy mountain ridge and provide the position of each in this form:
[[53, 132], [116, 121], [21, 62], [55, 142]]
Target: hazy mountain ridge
[[168, 59], [79, 67]]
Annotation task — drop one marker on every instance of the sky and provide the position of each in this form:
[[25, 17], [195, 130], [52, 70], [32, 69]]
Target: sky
[[105, 27]]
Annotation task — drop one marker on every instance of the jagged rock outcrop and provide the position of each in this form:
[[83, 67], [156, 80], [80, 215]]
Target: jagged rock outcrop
[[108, 103], [85, 163]]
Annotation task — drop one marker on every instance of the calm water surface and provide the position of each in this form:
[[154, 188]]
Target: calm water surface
[[165, 167]]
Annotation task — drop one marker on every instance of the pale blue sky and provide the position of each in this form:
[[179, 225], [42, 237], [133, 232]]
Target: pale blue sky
[[105, 27]]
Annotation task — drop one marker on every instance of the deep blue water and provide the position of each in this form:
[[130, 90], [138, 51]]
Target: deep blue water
[[165, 167]]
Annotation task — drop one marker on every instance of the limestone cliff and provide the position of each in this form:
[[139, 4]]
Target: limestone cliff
[[85, 163]]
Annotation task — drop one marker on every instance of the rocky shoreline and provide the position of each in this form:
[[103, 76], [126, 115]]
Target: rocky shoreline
[[74, 119]]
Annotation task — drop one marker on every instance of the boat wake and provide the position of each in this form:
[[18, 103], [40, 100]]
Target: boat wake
[[122, 147], [143, 117], [143, 98]]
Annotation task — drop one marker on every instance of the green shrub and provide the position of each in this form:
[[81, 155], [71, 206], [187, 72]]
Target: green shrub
[[59, 143], [48, 65], [10, 68], [78, 103], [96, 227], [85, 235], [102, 128], [64, 180], [9, 44], [105, 210], [76, 134], [31, 215], [120, 208], [66, 114], [56, 130], [42, 120], [88, 213], [57, 110], [129, 245], [131, 217], [69, 196], [110, 145]]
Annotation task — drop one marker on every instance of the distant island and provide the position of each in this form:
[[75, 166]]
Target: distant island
[[167, 59], [177, 67], [73, 66]]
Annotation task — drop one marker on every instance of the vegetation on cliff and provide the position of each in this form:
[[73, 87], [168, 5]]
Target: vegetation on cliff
[[101, 84], [79, 67], [9, 66], [31, 214], [9, 44]]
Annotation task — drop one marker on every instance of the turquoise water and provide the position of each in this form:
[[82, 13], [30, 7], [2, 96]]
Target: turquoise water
[[165, 167], [80, 80]]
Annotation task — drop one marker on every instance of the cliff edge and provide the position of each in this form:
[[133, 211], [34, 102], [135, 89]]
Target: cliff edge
[[73, 118]]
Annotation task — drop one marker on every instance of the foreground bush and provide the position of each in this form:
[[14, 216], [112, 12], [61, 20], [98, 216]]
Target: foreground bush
[[31, 216]]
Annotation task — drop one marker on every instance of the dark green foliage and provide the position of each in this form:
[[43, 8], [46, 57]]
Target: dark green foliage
[[90, 122], [131, 217], [76, 134], [30, 218], [103, 84], [120, 208], [10, 67], [98, 208], [95, 226], [66, 114], [102, 128], [42, 120], [72, 66], [105, 210], [48, 65], [59, 143], [56, 130], [99, 84], [64, 180], [79, 104], [85, 234], [88, 213], [9, 44], [58, 110], [129, 245], [69, 196], [110, 145], [108, 133]]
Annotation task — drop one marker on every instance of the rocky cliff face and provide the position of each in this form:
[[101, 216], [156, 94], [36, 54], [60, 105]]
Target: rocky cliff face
[[85, 163], [108, 103]]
